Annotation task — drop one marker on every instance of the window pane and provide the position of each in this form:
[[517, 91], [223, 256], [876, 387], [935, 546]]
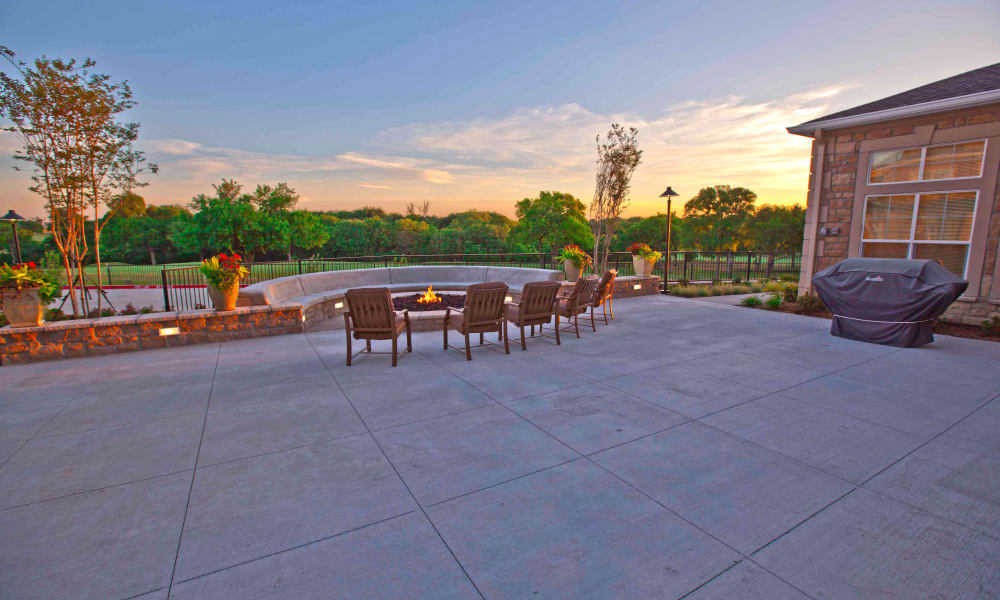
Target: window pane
[[954, 160], [950, 256], [945, 216], [895, 165], [884, 250], [888, 217]]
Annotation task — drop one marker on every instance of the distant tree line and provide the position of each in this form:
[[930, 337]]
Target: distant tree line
[[265, 224]]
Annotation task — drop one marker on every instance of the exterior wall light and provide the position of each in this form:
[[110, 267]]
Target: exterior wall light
[[164, 331]]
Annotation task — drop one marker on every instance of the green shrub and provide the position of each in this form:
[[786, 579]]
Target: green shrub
[[703, 290], [789, 277], [773, 303], [991, 327], [755, 288], [145, 310], [751, 301], [683, 282], [785, 290], [810, 303], [3, 320]]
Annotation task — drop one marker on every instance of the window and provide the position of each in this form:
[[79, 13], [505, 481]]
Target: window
[[935, 226], [930, 163]]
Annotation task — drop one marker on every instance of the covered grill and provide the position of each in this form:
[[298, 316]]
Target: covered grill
[[891, 301]]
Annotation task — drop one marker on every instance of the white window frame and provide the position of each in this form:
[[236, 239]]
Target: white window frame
[[923, 160], [911, 242]]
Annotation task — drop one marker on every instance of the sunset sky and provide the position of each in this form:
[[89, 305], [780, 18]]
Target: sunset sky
[[476, 105]]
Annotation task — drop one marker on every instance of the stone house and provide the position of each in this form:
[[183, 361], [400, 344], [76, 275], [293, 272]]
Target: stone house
[[913, 175]]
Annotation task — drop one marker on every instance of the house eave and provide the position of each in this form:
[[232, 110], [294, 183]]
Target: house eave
[[901, 112]]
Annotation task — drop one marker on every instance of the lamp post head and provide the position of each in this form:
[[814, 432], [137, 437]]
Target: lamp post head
[[11, 216], [669, 193]]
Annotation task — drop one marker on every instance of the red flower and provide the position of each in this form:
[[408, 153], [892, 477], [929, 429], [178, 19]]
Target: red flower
[[32, 265]]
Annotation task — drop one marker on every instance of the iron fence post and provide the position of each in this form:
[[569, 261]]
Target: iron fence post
[[166, 294], [300, 266], [749, 259]]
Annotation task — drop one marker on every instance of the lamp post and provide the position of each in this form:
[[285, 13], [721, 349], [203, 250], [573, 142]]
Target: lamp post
[[668, 194], [12, 218]]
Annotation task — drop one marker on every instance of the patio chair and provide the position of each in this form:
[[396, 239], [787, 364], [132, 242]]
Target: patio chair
[[576, 302], [536, 307], [602, 297], [483, 312], [371, 316]]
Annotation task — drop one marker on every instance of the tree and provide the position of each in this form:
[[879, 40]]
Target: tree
[[80, 154], [231, 221], [551, 220], [128, 204], [775, 228], [716, 216], [306, 231], [617, 159], [423, 209]]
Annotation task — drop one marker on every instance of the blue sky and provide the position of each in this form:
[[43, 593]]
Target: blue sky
[[480, 104]]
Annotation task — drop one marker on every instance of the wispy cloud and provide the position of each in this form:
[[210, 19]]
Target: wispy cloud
[[491, 162]]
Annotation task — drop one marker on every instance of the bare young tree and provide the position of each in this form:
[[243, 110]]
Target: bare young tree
[[617, 158], [423, 209]]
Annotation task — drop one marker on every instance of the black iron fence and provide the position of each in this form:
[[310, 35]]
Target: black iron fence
[[184, 286], [716, 266]]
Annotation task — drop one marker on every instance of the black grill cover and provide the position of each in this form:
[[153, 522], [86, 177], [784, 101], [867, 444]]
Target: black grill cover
[[890, 301]]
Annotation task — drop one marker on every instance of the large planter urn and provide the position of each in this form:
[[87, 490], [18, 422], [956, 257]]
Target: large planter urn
[[572, 271], [224, 299], [23, 308], [643, 266]]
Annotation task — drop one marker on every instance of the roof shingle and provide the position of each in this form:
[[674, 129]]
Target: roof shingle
[[971, 82]]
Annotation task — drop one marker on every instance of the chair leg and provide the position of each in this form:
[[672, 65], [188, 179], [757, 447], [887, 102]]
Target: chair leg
[[611, 308], [368, 345], [523, 345], [506, 340], [409, 339], [558, 341], [481, 338], [593, 325], [604, 309], [532, 331], [446, 335], [347, 328], [395, 341], [576, 323], [468, 352]]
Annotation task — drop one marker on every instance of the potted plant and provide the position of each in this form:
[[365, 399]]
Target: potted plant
[[25, 290], [224, 273], [643, 258], [575, 261]]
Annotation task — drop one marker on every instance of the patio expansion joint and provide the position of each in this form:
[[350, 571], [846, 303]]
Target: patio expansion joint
[[589, 459], [69, 401], [296, 547], [194, 471], [398, 474]]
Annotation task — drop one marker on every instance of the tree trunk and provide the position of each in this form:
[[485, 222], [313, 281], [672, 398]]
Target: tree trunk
[[97, 258], [152, 256]]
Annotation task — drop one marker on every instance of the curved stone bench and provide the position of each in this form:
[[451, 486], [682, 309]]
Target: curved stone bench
[[319, 294]]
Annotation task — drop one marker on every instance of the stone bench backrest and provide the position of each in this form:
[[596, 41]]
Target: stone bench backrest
[[283, 289]]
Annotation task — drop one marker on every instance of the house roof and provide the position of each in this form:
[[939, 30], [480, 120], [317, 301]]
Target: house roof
[[972, 88]]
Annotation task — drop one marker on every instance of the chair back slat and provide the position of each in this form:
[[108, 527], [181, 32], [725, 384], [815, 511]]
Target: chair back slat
[[604, 287], [583, 292], [371, 309], [538, 298], [484, 303]]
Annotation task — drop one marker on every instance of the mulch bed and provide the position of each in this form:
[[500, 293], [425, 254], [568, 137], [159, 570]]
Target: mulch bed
[[962, 330], [410, 302]]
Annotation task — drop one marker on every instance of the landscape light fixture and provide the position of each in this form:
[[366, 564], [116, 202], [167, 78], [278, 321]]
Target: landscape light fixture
[[668, 194], [12, 218]]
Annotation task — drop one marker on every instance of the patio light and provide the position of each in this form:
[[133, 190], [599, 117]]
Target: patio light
[[668, 194]]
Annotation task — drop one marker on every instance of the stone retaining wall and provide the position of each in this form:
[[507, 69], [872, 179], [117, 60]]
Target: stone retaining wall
[[108, 335]]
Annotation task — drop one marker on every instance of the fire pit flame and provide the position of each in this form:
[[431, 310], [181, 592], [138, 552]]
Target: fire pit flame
[[429, 296]]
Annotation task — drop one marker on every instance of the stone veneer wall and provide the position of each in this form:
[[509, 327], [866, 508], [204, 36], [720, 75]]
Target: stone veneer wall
[[839, 184], [108, 335]]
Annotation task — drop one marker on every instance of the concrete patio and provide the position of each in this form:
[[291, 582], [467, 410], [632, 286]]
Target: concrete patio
[[690, 449]]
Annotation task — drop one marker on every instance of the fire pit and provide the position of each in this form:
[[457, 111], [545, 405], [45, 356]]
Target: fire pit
[[428, 301]]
